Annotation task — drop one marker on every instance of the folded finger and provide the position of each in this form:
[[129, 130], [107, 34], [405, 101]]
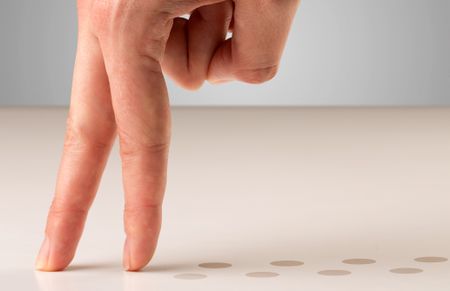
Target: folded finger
[[260, 31], [192, 43]]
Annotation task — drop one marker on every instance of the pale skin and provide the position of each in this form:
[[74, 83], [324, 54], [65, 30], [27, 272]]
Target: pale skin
[[124, 47]]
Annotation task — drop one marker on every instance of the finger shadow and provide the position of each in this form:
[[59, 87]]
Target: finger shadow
[[94, 266], [117, 266], [166, 267]]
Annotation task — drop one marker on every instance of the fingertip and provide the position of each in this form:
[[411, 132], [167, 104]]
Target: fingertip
[[47, 266], [53, 259], [137, 254], [49, 269], [190, 84]]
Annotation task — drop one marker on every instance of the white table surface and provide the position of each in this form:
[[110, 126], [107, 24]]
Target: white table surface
[[249, 186]]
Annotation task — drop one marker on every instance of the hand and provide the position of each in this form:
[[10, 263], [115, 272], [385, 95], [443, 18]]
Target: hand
[[119, 88]]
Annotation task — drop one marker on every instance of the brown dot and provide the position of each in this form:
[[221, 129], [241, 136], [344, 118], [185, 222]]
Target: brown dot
[[334, 272], [190, 276], [359, 261], [431, 259], [287, 263], [262, 274], [214, 265], [406, 271]]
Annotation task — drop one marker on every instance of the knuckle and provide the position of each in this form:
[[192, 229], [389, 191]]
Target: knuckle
[[100, 14], [150, 43], [63, 215], [79, 139], [146, 141], [131, 150], [257, 75], [60, 208], [150, 55], [110, 14], [133, 28], [148, 207]]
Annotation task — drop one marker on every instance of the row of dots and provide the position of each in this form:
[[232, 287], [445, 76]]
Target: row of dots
[[295, 263]]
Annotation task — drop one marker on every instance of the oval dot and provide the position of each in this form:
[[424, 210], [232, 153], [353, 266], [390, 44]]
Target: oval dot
[[215, 265], [431, 259], [190, 276], [334, 272], [359, 261], [262, 274], [406, 271], [287, 263]]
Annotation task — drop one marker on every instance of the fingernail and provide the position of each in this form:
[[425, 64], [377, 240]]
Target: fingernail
[[126, 256], [42, 258], [219, 81]]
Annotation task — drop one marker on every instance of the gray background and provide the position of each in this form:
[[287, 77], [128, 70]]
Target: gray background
[[348, 52]]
